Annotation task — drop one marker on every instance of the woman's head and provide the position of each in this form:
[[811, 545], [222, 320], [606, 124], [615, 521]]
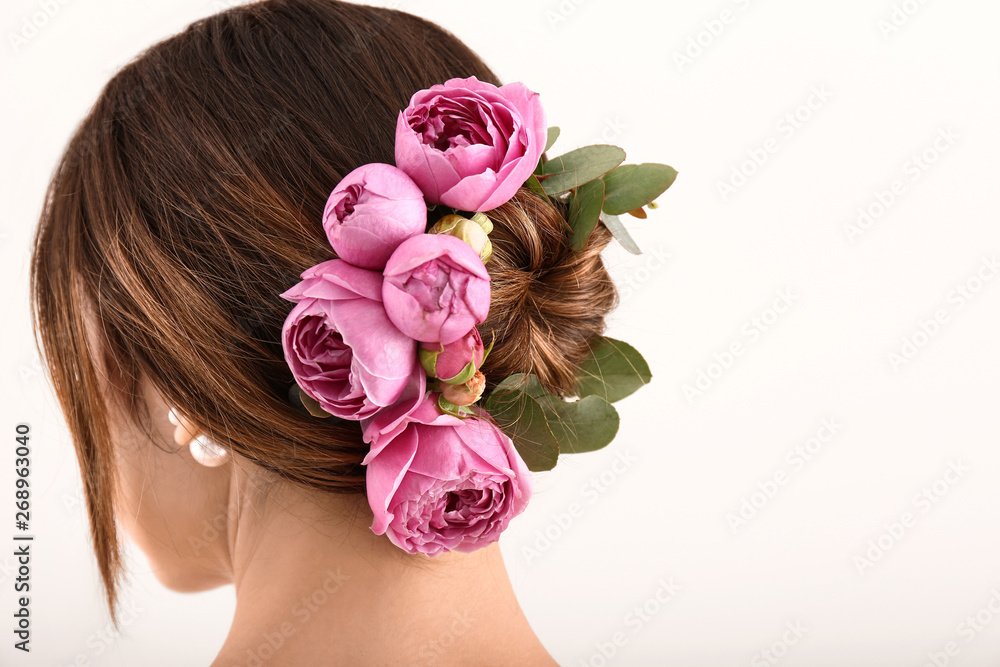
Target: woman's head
[[190, 198]]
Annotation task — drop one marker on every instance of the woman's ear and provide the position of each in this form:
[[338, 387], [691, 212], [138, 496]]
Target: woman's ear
[[173, 509]]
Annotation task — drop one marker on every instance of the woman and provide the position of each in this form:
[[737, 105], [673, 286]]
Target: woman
[[184, 206]]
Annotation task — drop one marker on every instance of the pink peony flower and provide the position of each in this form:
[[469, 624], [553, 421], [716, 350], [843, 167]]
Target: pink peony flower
[[469, 144], [340, 345], [439, 483], [371, 211], [447, 361], [436, 288]]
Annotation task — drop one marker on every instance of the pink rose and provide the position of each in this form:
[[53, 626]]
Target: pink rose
[[340, 345], [447, 361], [469, 144], [436, 288], [439, 483], [371, 211]]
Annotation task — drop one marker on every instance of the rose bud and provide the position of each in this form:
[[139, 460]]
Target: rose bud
[[436, 288], [483, 221], [471, 231], [466, 393], [371, 211], [455, 362]]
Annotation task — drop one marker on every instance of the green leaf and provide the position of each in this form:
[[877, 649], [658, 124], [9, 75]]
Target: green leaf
[[533, 184], [523, 420], [585, 212], [613, 370], [428, 359], [580, 426], [489, 348], [449, 408], [463, 375], [579, 166], [551, 138], [632, 186], [618, 230]]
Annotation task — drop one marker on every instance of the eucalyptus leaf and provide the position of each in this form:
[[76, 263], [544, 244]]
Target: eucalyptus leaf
[[579, 166], [581, 426], [585, 212], [523, 420], [533, 184], [531, 386], [551, 138], [618, 230], [613, 370], [632, 186]]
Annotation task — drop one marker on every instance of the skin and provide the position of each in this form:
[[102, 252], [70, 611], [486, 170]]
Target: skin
[[308, 572]]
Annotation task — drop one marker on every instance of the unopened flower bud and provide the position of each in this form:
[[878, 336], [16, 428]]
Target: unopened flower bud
[[475, 232], [483, 221], [455, 362], [465, 394]]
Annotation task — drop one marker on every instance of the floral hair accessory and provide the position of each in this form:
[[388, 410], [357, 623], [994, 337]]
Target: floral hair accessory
[[437, 482], [338, 340], [469, 144], [370, 212], [386, 334]]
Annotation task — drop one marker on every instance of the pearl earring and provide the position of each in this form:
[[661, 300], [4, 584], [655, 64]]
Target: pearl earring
[[205, 451]]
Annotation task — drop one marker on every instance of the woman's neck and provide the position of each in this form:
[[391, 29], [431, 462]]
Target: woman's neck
[[311, 590]]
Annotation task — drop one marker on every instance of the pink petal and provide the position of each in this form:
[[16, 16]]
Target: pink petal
[[384, 354], [383, 477]]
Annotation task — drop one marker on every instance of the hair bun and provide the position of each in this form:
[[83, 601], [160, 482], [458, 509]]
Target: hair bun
[[549, 300]]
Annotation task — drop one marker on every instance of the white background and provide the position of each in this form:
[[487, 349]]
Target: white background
[[713, 262]]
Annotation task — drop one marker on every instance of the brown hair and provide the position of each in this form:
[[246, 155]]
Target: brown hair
[[190, 197]]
